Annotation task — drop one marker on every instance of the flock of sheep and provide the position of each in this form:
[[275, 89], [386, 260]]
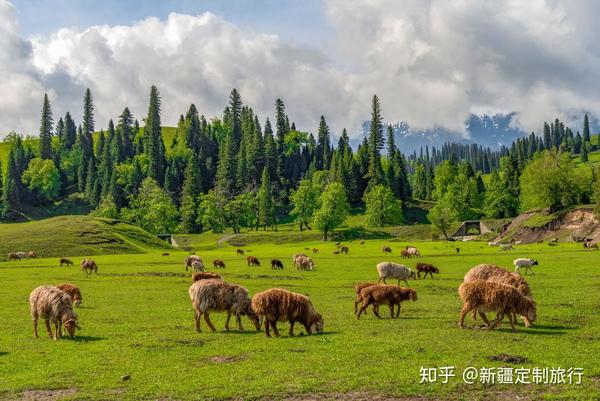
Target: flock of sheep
[[486, 288]]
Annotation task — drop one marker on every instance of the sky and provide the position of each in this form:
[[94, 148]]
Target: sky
[[431, 62]]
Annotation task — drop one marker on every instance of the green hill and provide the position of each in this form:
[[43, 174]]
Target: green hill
[[76, 236]]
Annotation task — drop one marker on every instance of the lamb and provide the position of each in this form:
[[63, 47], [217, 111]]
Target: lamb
[[52, 305], [218, 264], [386, 249], [253, 261], [205, 276], [394, 270], [13, 256], [344, 250], [65, 261], [277, 304], [88, 266], [305, 263], [190, 259], [73, 292], [526, 263], [385, 295], [427, 269], [220, 296], [197, 266], [358, 287], [488, 296], [276, 264]]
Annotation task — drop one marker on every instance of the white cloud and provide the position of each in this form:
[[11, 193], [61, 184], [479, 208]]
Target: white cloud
[[431, 63]]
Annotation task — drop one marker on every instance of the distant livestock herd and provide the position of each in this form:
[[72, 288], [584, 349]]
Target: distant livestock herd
[[486, 288]]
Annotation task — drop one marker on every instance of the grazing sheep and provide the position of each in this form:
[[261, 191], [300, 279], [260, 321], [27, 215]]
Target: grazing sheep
[[73, 292], [488, 296], [219, 296], [362, 242], [240, 252], [190, 259], [282, 305], [54, 306], [88, 266], [590, 244], [554, 240], [65, 261], [305, 263], [22, 255], [526, 263], [412, 251], [315, 250], [276, 264], [253, 261], [197, 266], [32, 255], [394, 270], [427, 269], [506, 247], [386, 249], [390, 295], [457, 250], [13, 256], [205, 276], [499, 275], [344, 250], [297, 256], [358, 288], [404, 254], [218, 264]]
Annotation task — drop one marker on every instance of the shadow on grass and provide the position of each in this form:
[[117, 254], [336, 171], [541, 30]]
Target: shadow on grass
[[2, 353], [87, 339]]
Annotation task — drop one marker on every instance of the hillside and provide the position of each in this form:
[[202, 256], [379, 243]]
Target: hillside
[[76, 236]]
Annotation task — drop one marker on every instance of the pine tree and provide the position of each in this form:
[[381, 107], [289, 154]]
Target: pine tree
[[266, 207], [547, 136], [282, 128], [375, 172], [153, 142], [586, 129], [60, 131], [70, 132], [192, 188], [87, 128], [323, 150], [584, 152], [45, 142], [125, 128]]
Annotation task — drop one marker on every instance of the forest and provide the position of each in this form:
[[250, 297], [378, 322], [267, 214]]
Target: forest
[[237, 171]]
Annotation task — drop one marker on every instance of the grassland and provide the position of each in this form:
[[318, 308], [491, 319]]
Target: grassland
[[137, 320]]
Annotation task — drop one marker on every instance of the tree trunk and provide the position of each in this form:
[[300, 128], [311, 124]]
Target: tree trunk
[[325, 234]]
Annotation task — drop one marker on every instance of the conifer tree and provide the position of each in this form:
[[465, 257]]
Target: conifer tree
[[153, 142], [45, 142], [586, 128], [190, 198], [323, 150], [70, 132], [87, 128], [375, 171]]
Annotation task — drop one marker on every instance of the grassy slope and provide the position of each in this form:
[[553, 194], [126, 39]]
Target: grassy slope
[[76, 235], [138, 306]]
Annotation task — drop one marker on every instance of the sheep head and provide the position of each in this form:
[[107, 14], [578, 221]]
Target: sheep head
[[317, 323], [413, 275], [530, 313], [436, 270], [71, 325], [412, 294], [253, 318], [535, 263]]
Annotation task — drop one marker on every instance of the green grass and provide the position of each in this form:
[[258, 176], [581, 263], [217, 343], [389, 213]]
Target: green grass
[[137, 320], [76, 236]]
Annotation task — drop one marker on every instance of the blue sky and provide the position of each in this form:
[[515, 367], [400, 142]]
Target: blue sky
[[300, 21]]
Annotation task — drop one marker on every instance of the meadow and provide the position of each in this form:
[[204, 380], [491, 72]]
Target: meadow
[[137, 320]]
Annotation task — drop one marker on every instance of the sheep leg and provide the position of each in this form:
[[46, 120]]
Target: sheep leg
[[499, 318], [48, 328], [35, 330], [208, 322], [267, 333], [363, 308], [239, 322], [57, 330], [418, 274], [392, 310], [484, 318], [356, 302], [59, 324], [376, 311], [512, 324], [466, 309], [227, 321], [405, 282], [398, 311], [197, 321], [275, 331], [292, 328]]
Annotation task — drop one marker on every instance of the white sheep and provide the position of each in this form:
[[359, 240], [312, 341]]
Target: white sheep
[[304, 263], [526, 263], [197, 266], [394, 270], [54, 306]]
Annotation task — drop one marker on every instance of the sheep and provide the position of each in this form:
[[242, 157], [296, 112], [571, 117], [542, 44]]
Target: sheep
[[13, 256], [394, 270], [22, 255], [52, 305], [506, 247], [386, 249], [427, 269], [404, 254], [590, 244], [315, 250], [412, 251], [362, 242], [32, 255], [166, 254], [205, 276], [358, 288], [344, 250], [277, 304], [457, 251], [296, 257], [190, 259], [88, 266], [390, 295], [220, 296], [197, 266], [65, 261], [554, 240], [276, 264], [526, 263], [253, 261], [488, 296], [305, 263], [240, 252], [218, 264], [336, 252], [73, 291]]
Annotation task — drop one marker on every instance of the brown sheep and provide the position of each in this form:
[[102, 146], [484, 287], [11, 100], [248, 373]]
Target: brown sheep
[[427, 269], [386, 249], [253, 261], [191, 259], [590, 245], [13, 256], [282, 305], [88, 266], [344, 250], [488, 296], [52, 305], [382, 294], [218, 264], [362, 242], [358, 288], [65, 261], [32, 255], [205, 276], [240, 252], [219, 296], [315, 250], [404, 254], [297, 256], [276, 264], [73, 291]]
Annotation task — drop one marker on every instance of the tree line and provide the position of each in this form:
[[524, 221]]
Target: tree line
[[236, 171]]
